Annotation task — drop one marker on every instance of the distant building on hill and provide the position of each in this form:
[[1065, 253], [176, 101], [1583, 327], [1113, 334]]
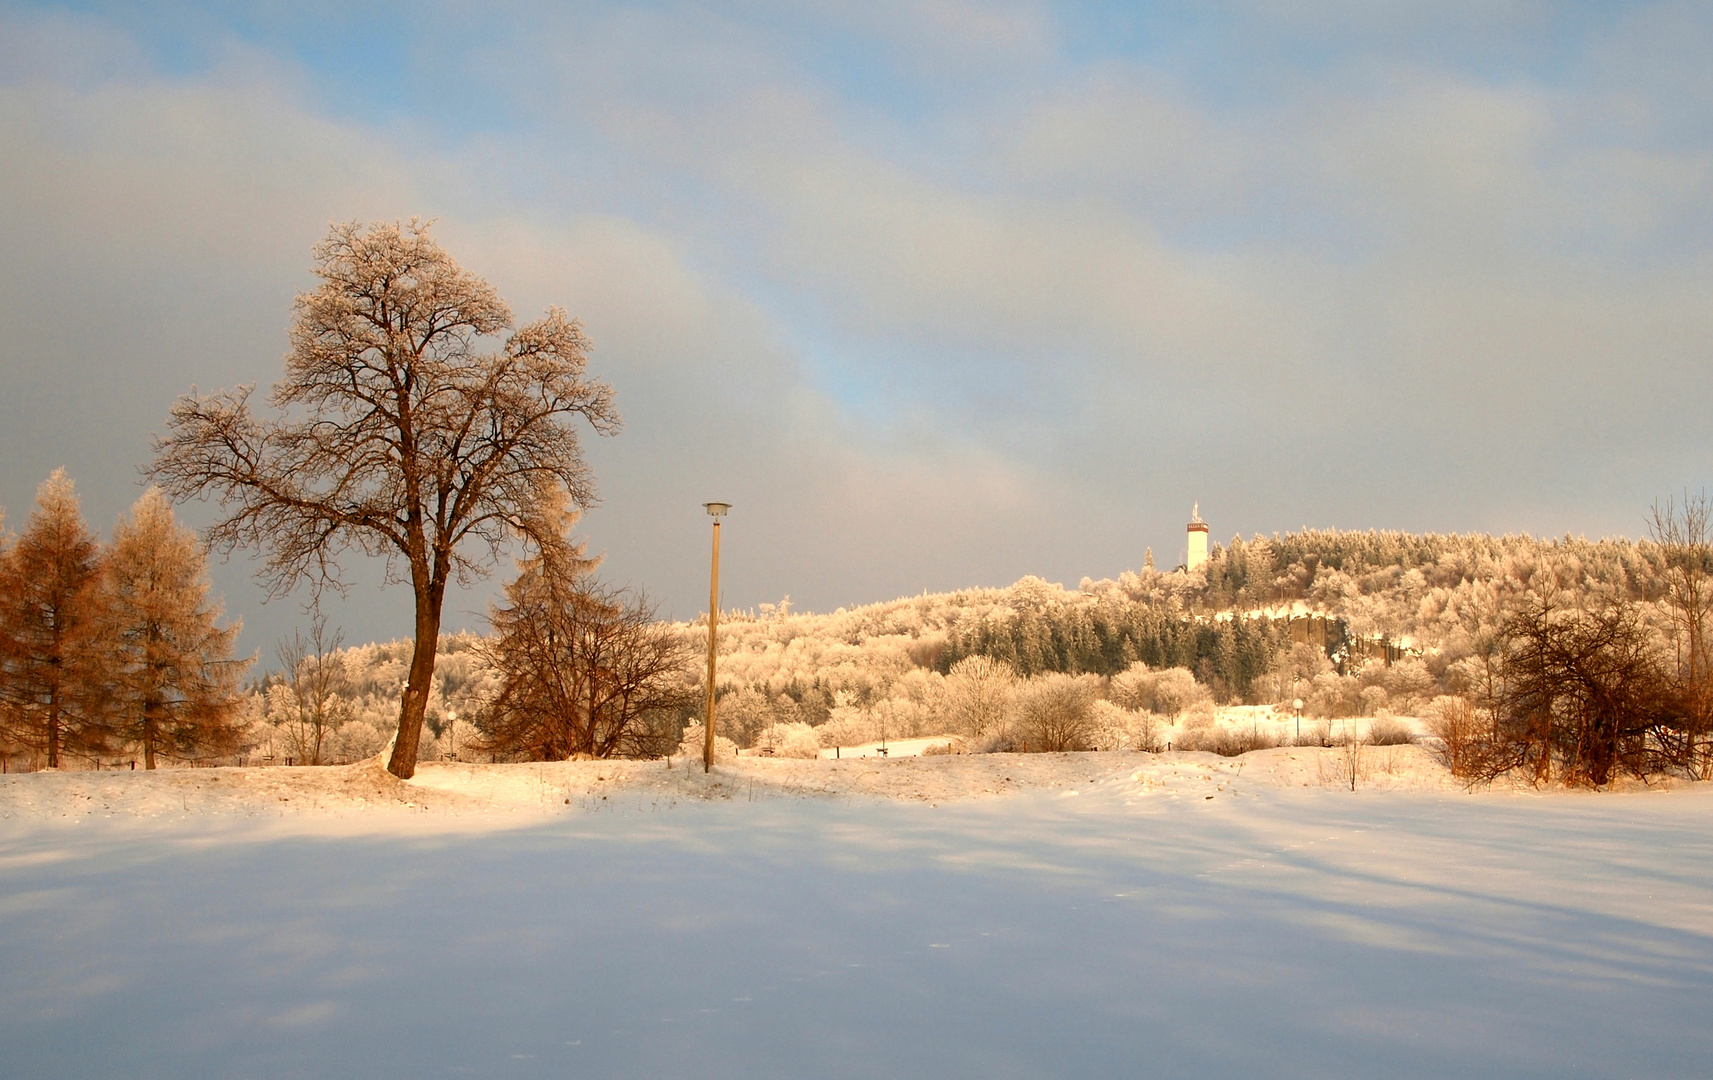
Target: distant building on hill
[[1197, 557]]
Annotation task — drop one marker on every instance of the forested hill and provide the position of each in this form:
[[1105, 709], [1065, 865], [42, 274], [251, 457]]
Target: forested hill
[[1441, 596]]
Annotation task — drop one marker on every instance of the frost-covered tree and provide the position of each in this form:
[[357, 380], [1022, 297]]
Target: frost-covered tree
[[978, 692], [305, 700], [397, 433], [50, 620], [174, 679]]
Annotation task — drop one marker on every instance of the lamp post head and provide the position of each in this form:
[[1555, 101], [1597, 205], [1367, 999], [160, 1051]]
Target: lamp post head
[[1297, 704], [716, 509]]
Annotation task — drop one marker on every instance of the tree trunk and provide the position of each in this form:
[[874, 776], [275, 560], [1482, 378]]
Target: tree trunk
[[414, 704], [53, 728]]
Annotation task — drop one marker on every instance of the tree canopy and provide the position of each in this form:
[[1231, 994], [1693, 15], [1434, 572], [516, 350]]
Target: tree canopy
[[402, 428]]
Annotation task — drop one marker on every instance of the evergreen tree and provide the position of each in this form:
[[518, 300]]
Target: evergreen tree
[[175, 681], [584, 669], [50, 605]]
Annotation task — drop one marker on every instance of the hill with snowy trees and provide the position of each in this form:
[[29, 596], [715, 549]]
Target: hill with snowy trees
[[1374, 624]]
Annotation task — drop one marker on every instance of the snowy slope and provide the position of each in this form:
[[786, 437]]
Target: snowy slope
[[1087, 917]]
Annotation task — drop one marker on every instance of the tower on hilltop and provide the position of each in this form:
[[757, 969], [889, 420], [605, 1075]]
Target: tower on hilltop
[[1197, 548]]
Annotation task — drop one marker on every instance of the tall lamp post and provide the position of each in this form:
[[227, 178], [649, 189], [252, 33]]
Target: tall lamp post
[[716, 510]]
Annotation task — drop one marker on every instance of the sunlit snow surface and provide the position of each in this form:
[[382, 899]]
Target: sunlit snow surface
[[1098, 930]]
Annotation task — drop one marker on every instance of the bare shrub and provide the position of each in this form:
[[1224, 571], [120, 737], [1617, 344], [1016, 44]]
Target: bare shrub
[[1226, 742], [1350, 755], [1684, 536], [1462, 743], [1318, 733], [990, 742], [1389, 731], [1585, 688], [1055, 713], [581, 666], [1200, 738], [1232, 742]]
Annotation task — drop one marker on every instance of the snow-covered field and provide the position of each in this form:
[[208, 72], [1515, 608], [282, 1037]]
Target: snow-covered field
[[1052, 915]]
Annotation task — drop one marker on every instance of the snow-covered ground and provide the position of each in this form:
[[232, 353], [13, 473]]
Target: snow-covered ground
[[1049, 915]]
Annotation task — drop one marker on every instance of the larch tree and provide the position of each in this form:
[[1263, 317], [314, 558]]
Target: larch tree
[[50, 618], [585, 669], [175, 681], [397, 433]]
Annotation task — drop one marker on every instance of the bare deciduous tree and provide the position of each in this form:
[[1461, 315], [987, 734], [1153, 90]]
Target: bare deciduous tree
[[312, 674], [1055, 713], [1685, 538], [50, 617], [396, 435], [978, 691], [1583, 689]]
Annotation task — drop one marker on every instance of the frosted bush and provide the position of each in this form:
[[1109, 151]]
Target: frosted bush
[[1334, 695], [1132, 688], [978, 691], [1176, 690], [691, 746], [846, 726], [354, 741], [1409, 683], [1117, 728], [1200, 715], [792, 740]]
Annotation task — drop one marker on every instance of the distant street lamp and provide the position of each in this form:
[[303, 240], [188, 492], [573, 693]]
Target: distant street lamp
[[716, 510], [1298, 705]]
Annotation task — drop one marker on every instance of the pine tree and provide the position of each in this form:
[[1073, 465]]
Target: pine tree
[[50, 607], [176, 683]]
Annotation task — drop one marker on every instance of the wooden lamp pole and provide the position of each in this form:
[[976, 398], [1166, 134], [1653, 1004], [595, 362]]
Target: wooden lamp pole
[[716, 510]]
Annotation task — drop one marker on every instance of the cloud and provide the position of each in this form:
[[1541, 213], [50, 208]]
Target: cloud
[[161, 227], [933, 296]]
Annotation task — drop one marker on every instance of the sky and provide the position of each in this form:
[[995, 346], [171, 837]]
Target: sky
[[936, 295]]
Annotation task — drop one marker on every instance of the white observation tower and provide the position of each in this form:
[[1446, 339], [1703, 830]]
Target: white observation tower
[[1197, 549]]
